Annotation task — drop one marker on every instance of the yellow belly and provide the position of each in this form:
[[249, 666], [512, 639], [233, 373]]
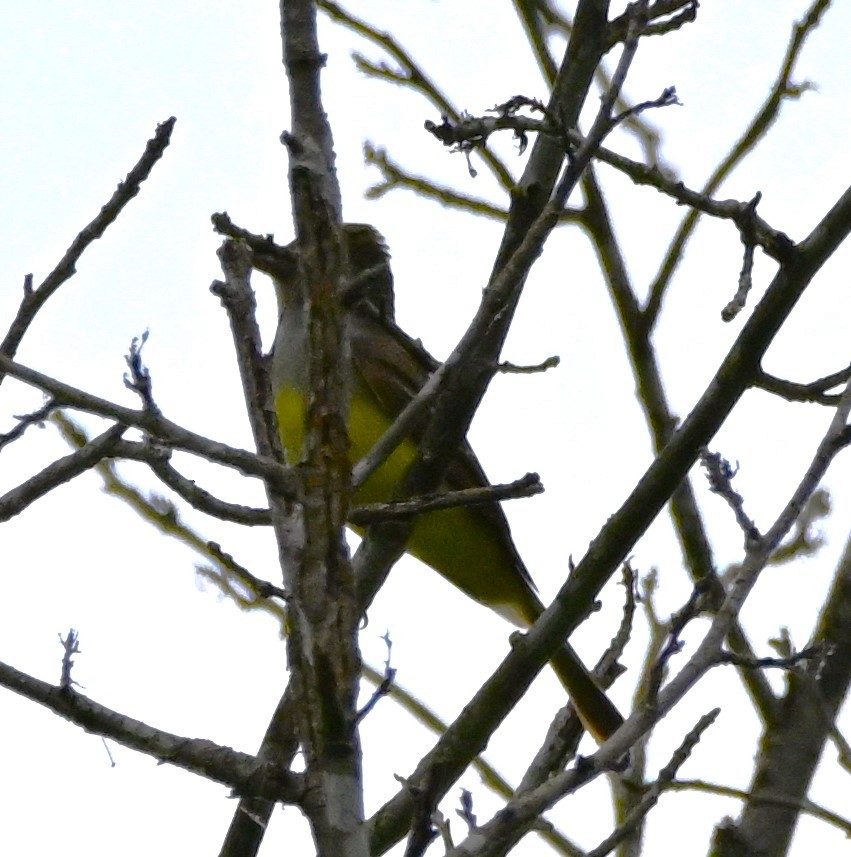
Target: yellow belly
[[458, 543]]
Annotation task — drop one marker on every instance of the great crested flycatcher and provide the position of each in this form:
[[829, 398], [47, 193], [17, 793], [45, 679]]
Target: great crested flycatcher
[[470, 546]]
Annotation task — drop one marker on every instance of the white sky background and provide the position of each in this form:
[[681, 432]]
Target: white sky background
[[86, 84]]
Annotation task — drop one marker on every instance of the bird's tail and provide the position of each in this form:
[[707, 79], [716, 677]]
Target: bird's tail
[[596, 711]]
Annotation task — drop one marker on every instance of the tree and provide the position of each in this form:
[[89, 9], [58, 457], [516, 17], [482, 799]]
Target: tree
[[729, 410]]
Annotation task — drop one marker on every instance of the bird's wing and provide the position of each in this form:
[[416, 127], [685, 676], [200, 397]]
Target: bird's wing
[[394, 373]]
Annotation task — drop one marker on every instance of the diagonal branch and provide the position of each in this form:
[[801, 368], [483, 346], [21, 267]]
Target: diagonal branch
[[623, 529], [285, 479], [412, 75], [199, 756], [34, 299], [781, 90]]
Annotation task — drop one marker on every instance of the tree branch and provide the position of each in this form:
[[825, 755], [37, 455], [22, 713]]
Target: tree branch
[[34, 299], [199, 756]]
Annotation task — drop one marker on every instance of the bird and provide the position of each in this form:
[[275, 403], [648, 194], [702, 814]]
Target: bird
[[470, 546]]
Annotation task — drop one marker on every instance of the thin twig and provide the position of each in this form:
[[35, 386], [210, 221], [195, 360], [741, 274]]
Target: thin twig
[[57, 473], [205, 758], [527, 486], [806, 806], [758, 128], [652, 795], [285, 479], [411, 75], [814, 391], [35, 298]]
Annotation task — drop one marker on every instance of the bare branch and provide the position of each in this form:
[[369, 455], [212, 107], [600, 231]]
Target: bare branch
[[59, 472], [411, 75], [720, 475], [806, 806], [71, 645], [814, 391], [285, 479], [691, 532], [663, 16], [366, 515], [773, 242], [781, 90], [785, 663], [395, 178], [652, 795], [34, 299], [199, 756], [36, 418]]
